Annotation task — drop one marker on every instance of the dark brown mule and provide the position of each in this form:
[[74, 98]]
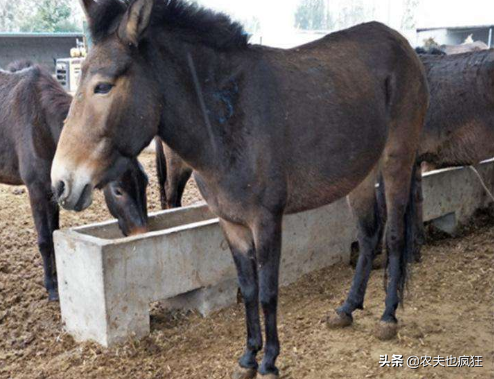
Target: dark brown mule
[[459, 127], [173, 175], [33, 107], [267, 131]]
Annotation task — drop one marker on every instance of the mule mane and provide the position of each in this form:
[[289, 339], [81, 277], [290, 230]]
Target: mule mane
[[213, 29]]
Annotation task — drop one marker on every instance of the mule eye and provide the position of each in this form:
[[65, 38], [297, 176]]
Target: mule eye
[[117, 192], [103, 88]]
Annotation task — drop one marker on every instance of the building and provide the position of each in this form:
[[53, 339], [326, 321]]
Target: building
[[457, 35], [42, 48]]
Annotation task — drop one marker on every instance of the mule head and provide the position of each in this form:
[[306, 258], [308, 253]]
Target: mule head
[[126, 200], [115, 112]]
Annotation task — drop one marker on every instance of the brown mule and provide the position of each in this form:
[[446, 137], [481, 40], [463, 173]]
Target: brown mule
[[268, 132]]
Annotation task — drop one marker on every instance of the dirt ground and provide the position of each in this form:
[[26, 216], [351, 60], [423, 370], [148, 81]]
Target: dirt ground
[[449, 311]]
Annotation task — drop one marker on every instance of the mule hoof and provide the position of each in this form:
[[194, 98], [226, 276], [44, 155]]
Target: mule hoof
[[244, 373], [387, 330], [269, 376], [417, 258], [53, 296], [339, 320]]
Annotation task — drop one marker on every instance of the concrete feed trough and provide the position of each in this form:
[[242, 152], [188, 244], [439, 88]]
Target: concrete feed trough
[[107, 282]]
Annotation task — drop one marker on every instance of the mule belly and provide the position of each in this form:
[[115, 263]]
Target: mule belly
[[469, 144], [313, 191], [332, 168]]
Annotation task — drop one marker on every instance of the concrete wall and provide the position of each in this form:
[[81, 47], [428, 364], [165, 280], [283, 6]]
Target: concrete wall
[[41, 48], [107, 282]]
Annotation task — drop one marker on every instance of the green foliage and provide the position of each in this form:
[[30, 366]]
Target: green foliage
[[48, 16], [10, 11], [51, 16]]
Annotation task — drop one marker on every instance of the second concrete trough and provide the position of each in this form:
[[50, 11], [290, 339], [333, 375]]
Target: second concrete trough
[[107, 282]]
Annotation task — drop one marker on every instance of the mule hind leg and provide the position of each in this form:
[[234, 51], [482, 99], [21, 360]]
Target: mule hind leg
[[418, 216], [175, 187], [408, 99], [398, 172], [365, 208]]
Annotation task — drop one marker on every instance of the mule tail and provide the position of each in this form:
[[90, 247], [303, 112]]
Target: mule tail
[[161, 170], [410, 231]]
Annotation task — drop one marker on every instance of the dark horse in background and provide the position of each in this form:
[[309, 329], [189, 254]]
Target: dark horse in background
[[267, 131], [33, 107], [459, 127]]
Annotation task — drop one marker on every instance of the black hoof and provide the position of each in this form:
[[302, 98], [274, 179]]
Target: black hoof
[[53, 295]]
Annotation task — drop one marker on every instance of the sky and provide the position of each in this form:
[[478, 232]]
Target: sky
[[431, 13], [436, 13], [273, 14], [277, 22]]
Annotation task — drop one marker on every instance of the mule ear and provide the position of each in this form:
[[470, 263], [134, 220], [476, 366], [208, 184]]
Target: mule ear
[[87, 7], [135, 21]]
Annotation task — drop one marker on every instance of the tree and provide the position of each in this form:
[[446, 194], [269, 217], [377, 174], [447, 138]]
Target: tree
[[40, 16], [408, 20], [312, 15], [51, 16], [11, 12], [353, 12]]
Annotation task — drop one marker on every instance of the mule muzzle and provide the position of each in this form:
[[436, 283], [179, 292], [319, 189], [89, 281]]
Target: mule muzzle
[[71, 197]]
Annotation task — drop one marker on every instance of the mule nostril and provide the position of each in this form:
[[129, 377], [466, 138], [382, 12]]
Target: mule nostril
[[60, 189]]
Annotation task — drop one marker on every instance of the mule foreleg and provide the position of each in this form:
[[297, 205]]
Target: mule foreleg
[[46, 219], [241, 245], [267, 239]]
